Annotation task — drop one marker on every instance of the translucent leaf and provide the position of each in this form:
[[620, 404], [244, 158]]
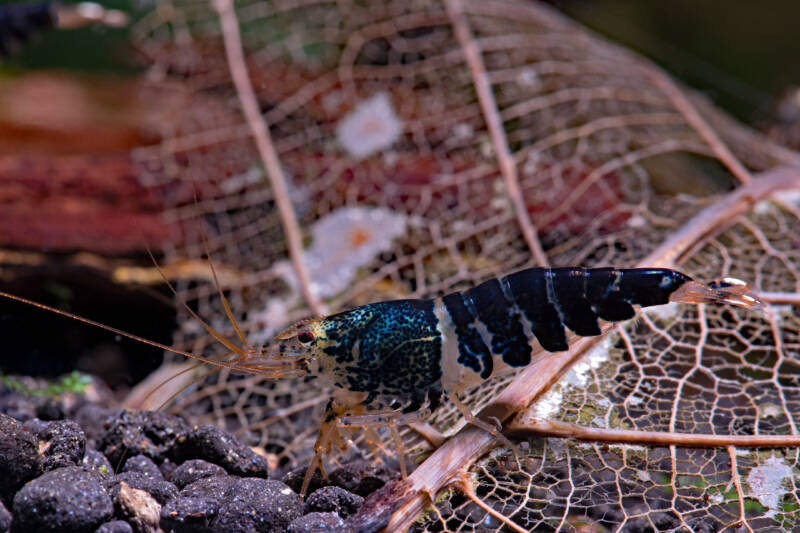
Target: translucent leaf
[[509, 137]]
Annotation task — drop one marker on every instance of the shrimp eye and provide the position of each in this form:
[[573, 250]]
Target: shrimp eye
[[305, 336]]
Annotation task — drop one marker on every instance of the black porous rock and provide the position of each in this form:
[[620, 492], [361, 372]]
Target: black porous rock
[[162, 491], [214, 488], [61, 443], [318, 523], [144, 465], [254, 504], [132, 433], [361, 477], [94, 460], [5, 518], [19, 457], [189, 515], [195, 469], [221, 448], [333, 499], [66, 500], [137, 507], [294, 479], [115, 526]]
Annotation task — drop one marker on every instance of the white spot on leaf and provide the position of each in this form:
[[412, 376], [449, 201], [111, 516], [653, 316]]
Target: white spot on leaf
[[342, 242], [369, 128], [766, 483]]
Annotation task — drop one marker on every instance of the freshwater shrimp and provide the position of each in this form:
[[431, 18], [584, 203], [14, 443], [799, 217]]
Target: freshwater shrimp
[[392, 362]]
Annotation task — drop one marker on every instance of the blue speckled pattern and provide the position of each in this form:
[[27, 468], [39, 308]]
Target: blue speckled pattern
[[386, 348]]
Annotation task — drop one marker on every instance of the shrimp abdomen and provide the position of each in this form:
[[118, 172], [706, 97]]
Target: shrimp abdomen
[[501, 316]]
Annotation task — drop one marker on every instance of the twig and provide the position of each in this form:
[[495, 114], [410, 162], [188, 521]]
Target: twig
[[495, 125], [269, 158], [780, 298], [555, 428]]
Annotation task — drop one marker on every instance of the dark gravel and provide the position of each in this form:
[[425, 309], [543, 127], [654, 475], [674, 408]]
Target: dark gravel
[[213, 488], [361, 477], [253, 504], [318, 523], [143, 465], [195, 469], [115, 471], [333, 499], [189, 515], [163, 491], [19, 457], [221, 448], [61, 443], [70, 499], [147, 433]]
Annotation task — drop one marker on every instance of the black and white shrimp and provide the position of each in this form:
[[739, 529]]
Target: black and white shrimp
[[390, 360]]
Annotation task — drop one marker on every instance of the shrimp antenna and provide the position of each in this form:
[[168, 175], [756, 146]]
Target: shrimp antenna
[[225, 303], [237, 368], [228, 344]]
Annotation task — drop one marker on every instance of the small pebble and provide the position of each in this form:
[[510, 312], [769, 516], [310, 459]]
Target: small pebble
[[162, 491], [333, 499], [221, 448], [137, 507], [62, 500], [214, 487], [189, 515], [143, 465], [361, 477], [318, 523], [61, 443], [254, 504], [132, 433], [195, 469], [115, 526], [19, 457]]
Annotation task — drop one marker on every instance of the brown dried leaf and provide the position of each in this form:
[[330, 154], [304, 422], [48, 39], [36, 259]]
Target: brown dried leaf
[[487, 135]]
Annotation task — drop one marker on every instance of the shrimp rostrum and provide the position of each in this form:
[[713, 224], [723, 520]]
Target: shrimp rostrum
[[390, 361]]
